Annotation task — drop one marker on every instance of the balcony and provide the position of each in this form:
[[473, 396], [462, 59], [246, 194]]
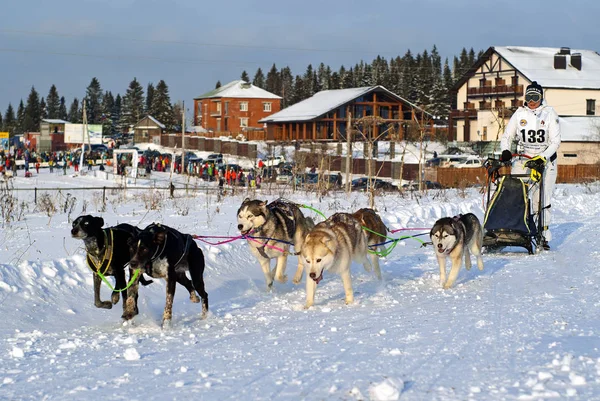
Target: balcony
[[501, 90], [466, 113]]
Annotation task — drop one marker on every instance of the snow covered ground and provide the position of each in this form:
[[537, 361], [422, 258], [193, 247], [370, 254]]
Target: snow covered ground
[[526, 328]]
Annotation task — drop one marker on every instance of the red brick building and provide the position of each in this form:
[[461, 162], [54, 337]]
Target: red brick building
[[234, 107]]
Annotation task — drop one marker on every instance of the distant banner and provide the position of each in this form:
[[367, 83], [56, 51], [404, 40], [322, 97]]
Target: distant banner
[[75, 133], [4, 144]]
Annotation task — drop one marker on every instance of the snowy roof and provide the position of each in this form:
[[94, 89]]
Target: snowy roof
[[580, 129], [323, 102], [55, 121], [154, 120], [239, 89], [161, 125], [537, 64]]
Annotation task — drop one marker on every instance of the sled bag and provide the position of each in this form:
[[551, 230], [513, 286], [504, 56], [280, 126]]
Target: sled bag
[[509, 208]]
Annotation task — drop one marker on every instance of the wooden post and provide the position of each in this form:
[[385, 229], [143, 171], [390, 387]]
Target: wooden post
[[348, 151]]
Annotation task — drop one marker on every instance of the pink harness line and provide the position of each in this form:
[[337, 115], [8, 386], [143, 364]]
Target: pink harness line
[[231, 239]]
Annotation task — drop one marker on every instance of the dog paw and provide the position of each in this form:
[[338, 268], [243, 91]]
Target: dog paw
[[166, 324], [104, 305], [114, 298], [297, 280], [194, 298], [308, 306], [282, 279], [447, 286]]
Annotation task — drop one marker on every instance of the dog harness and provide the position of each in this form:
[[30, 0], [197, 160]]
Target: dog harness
[[102, 266]]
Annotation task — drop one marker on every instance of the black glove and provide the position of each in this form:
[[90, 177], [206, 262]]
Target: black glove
[[506, 156]]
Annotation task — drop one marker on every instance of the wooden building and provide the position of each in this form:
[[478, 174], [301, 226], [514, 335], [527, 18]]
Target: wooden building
[[234, 108], [324, 116], [148, 129]]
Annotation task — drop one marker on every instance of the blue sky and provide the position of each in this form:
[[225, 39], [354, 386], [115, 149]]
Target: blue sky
[[192, 44]]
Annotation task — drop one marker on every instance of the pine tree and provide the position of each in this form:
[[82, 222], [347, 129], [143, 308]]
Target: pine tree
[[75, 112], [62, 109], [177, 115], [43, 109], [245, 76], [33, 112], [1, 123], [299, 89], [259, 79], [348, 80], [323, 77], [273, 81], [149, 98], [407, 89], [108, 125], [9, 120], [20, 125], [307, 78], [218, 85], [133, 106], [115, 113], [287, 87], [448, 83], [162, 109], [53, 103], [93, 102], [335, 81]]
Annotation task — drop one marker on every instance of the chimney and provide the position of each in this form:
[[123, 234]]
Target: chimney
[[564, 50], [576, 60], [560, 61]]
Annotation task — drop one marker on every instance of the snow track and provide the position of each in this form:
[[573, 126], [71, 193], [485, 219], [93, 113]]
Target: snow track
[[526, 328]]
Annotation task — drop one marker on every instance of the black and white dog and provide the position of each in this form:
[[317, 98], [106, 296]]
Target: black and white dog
[[107, 253], [166, 253]]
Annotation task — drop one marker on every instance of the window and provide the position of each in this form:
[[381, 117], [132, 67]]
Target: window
[[267, 107], [244, 121], [218, 125], [219, 107], [514, 81], [570, 155], [226, 109], [590, 107], [144, 134], [243, 106]]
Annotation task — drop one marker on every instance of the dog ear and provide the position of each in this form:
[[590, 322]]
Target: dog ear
[[99, 221], [246, 201], [263, 203]]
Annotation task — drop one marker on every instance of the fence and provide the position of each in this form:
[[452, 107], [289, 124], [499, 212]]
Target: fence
[[451, 177]]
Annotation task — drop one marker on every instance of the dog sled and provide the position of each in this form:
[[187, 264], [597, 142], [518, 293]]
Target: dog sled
[[510, 219]]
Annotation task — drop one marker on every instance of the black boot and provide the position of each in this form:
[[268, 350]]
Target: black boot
[[545, 245]]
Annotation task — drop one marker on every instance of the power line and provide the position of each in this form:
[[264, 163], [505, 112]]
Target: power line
[[187, 43], [122, 57]]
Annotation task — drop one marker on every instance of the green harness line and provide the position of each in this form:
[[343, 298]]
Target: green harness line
[[105, 263], [386, 251]]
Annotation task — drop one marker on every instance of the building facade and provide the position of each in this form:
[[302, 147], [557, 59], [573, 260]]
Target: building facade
[[148, 129], [234, 108], [324, 116]]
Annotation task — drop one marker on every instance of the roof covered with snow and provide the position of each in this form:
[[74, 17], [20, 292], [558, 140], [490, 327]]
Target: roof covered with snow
[[580, 129], [537, 64], [161, 125], [323, 102], [239, 89], [55, 121]]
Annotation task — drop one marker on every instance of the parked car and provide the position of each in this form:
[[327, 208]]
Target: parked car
[[274, 161], [215, 158], [414, 186], [361, 184], [284, 177], [471, 162]]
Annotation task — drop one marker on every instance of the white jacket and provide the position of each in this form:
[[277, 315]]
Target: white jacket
[[536, 131]]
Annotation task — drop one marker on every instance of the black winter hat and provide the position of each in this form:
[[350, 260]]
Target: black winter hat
[[535, 88]]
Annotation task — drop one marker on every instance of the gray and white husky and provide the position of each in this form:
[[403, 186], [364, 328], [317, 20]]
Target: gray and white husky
[[278, 220], [455, 237]]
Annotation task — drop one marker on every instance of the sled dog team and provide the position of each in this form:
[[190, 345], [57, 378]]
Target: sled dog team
[[271, 228]]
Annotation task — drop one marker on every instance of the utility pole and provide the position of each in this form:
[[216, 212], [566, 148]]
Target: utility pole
[[183, 165], [84, 131], [348, 151]]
